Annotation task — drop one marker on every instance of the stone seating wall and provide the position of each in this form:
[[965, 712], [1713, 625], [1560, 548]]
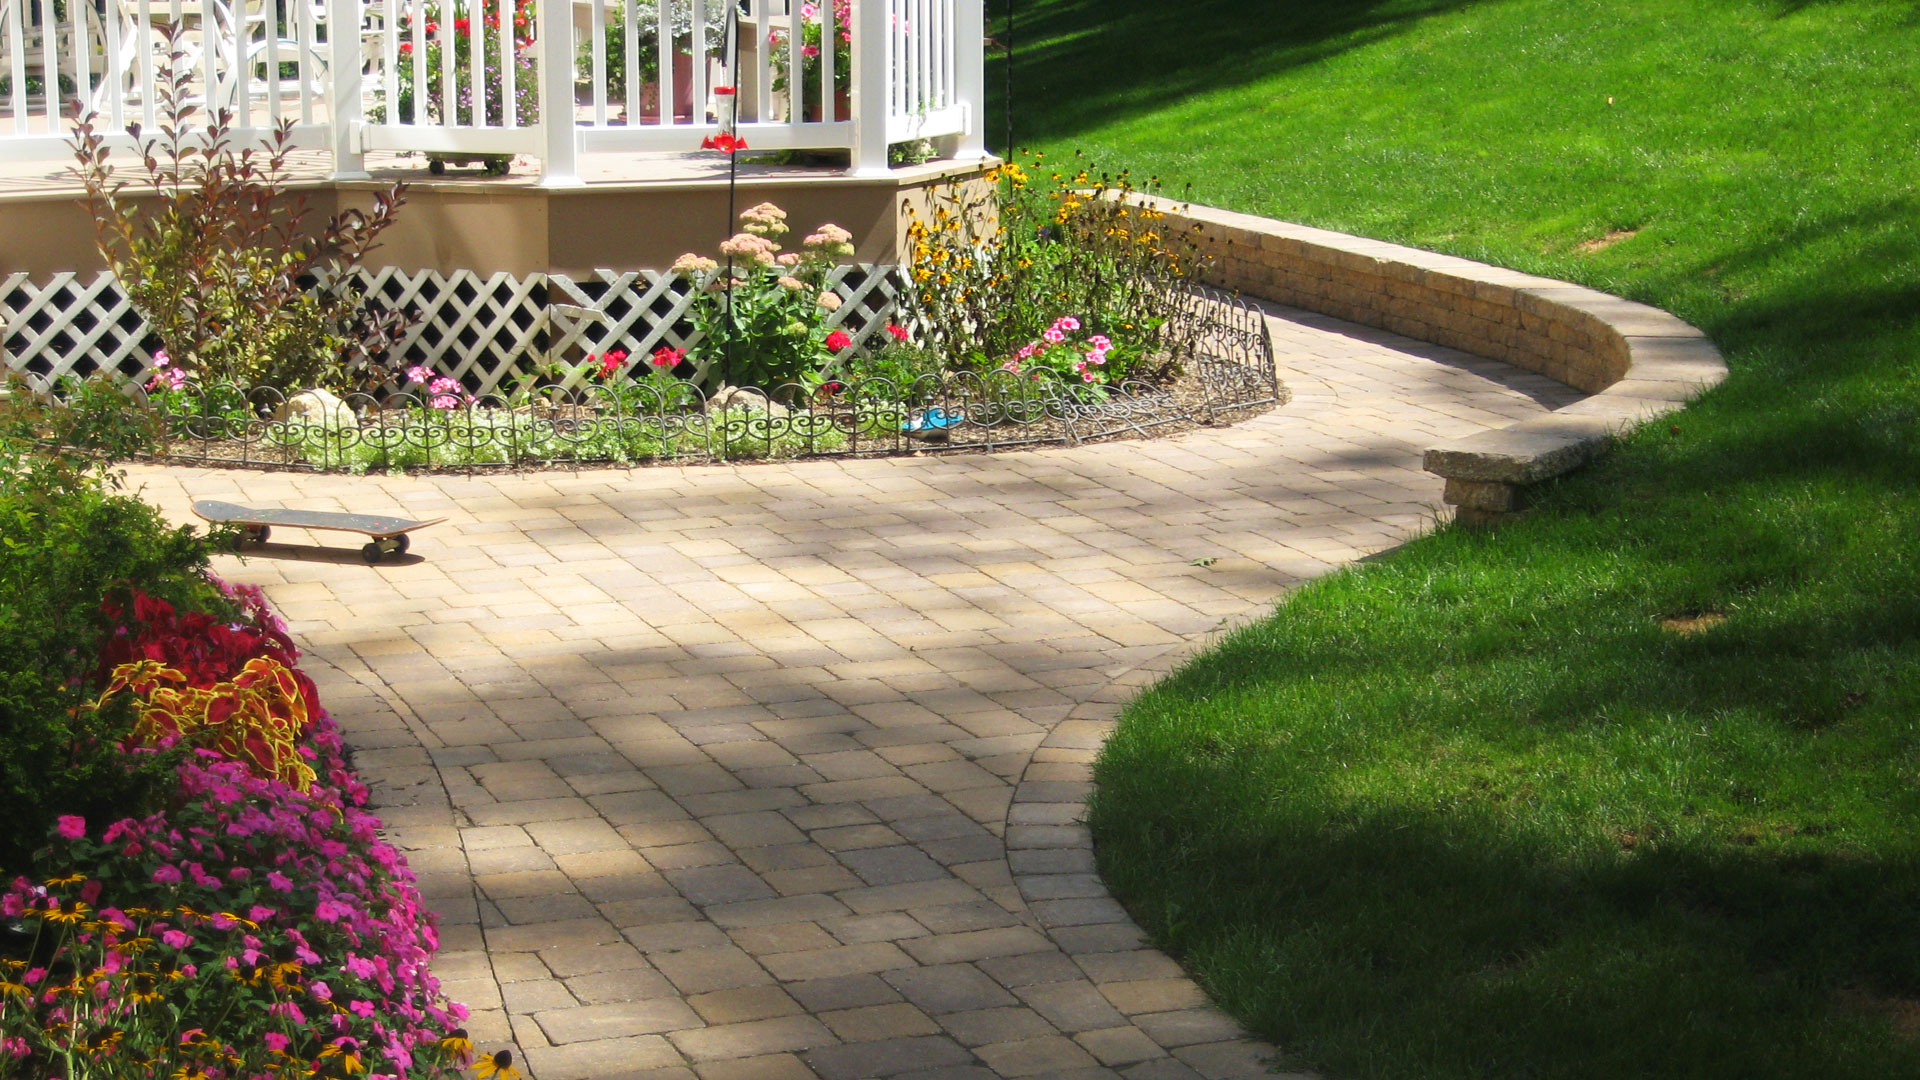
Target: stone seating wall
[[1636, 362]]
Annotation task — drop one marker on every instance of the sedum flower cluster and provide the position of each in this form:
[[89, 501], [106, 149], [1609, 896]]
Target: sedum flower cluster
[[762, 315]]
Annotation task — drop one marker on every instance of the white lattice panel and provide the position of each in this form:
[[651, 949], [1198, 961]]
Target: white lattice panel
[[71, 327], [484, 331]]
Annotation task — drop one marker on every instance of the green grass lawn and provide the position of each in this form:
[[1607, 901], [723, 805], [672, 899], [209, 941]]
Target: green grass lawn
[[1471, 811]]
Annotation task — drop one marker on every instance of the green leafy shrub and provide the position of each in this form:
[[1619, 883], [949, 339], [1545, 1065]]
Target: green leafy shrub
[[70, 541], [216, 253], [94, 414]]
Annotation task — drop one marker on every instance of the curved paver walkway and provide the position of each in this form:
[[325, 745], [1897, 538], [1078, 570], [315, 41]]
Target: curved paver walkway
[[738, 773]]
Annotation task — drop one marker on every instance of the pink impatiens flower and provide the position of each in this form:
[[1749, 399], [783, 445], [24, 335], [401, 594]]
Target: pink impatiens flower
[[71, 826]]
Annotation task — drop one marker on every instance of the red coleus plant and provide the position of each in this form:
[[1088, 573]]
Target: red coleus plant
[[203, 647]]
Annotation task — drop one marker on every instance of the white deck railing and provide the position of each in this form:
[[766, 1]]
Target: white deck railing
[[359, 75]]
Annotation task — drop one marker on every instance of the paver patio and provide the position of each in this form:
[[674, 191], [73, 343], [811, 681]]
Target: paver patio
[[770, 771]]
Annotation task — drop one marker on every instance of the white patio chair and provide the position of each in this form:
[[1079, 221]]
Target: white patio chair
[[206, 23]]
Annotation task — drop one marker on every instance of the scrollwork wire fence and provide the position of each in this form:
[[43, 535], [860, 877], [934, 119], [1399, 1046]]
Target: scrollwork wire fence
[[1230, 367]]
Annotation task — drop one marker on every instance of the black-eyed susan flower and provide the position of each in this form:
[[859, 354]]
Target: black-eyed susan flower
[[67, 912], [143, 988], [497, 1064], [346, 1053], [457, 1045]]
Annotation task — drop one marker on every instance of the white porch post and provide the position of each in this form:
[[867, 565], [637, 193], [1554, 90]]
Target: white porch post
[[970, 45], [872, 81], [344, 115], [559, 165]]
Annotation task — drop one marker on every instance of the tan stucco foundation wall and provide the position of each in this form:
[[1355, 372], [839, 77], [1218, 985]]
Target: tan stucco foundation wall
[[522, 229]]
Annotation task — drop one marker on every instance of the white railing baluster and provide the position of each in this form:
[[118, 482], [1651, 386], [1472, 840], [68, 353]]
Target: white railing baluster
[[829, 32], [796, 73], [449, 70], [17, 62], [763, 62], [872, 93], [663, 53], [144, 44], [345, 108], [970, 75], [49, 67], [112, 81], [306, 39], [597, 54], [630, 56], [270, 49], [476, 35], [82, 51], [242, 83], [559, 166], [701, 58], [508, 43]]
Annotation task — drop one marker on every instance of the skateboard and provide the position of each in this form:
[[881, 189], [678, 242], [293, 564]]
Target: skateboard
[[490, 164], [388, 534]]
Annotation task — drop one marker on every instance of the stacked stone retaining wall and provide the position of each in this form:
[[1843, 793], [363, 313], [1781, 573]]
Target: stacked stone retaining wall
[[1635, 361]]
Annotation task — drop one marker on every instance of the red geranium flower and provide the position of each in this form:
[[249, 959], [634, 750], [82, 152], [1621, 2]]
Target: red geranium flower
[[899, 332], [611, 362], [838, 340], [666, 358]]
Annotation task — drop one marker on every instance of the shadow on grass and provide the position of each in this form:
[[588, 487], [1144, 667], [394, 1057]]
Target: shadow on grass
[[1447, 947], [1083, 63]]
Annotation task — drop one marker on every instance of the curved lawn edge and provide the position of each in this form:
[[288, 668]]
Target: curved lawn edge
[[1050, 856], [1637, 362]]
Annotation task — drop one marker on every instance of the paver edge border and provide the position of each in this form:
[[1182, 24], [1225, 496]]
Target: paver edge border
[[1636, 362]]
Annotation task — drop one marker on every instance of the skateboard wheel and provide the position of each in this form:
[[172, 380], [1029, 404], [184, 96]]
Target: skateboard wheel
[[400, 544], [372, 552], [437, 168], [255, 536]]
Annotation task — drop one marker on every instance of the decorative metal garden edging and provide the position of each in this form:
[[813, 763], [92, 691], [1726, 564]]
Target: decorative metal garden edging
[[1224, 344]]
